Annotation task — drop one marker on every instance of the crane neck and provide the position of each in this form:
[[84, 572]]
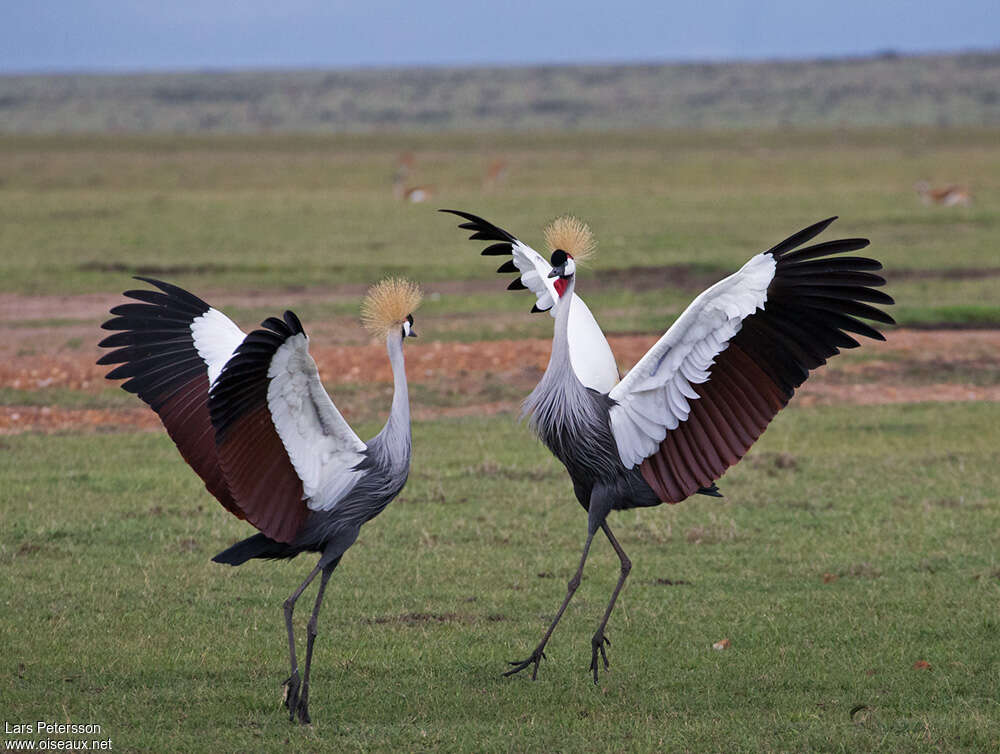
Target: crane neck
[[396, 433], [560, 335], [559, 375]]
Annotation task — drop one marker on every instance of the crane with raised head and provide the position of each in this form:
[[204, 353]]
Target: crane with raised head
[[703, 393], [250, 415]]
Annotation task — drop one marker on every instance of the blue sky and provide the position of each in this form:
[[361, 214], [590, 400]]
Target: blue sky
[[146, 35]]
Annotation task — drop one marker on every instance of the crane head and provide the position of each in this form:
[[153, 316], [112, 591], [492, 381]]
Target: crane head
[[563, 270], [570, 242], [563, 264], [408, 331], [571, 237], [389, 307]]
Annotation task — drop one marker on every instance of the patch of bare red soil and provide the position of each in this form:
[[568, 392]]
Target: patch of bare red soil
[[912, 366]]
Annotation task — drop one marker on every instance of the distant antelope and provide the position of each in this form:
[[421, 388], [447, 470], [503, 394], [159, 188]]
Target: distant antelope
[[496, 173], [949, 196], [413, 194], [402, 192]]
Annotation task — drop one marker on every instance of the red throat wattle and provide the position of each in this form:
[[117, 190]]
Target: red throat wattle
[[560, 285]]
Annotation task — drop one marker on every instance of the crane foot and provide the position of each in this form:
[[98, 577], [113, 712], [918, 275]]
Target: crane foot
[[597, 645], [304, 705], [536, 657], [293, 702]]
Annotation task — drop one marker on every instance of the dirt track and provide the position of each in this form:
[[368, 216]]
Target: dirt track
[[449, 379]]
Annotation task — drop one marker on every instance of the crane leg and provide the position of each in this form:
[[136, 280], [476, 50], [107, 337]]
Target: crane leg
[[293, 684], [310, 640], [539, 654], [599, 640]]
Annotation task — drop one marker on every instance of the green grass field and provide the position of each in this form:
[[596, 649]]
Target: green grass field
[[115, 615], [77, 214], [853, 542]]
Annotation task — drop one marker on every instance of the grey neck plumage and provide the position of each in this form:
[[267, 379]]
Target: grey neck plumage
[[559, 374], [555, 401], [572, 420], [394, 439]]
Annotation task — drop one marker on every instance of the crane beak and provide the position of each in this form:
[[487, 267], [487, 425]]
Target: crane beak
[[557, 272]]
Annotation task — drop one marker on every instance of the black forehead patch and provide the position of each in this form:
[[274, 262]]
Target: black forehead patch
[[409, 318], [559, 258]]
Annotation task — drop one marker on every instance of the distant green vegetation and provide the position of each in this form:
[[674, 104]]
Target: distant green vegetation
[[887, 90], [850, 546], [316, 214]]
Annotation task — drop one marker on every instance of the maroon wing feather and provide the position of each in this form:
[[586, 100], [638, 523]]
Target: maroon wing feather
[[259, 473], [155, 350], [813, 301]]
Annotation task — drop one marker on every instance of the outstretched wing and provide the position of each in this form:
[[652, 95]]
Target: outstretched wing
[[694, 404], [590, 354], [170, 346], [282, 444], [247, 412], [534, 270]]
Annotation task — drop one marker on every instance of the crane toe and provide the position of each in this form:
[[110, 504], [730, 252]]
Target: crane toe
[[290, 694], [536, 657], [597, 644], [304, 709]]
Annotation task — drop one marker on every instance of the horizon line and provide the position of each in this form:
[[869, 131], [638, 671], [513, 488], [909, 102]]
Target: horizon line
[[887, 53]]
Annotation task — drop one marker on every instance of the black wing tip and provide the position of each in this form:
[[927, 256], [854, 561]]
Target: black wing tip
[[463, 214], [498, 249], [797, 239], [823, 224], [174, 291], [818, 227], [285, 328], [152, 281], [484, 229], [516, 285], [294, 322], [164, 286]]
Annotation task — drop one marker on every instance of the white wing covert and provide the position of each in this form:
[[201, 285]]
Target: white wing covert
[[282, 445], [534, 275], [320, 443], [653, 397], [216, 338]]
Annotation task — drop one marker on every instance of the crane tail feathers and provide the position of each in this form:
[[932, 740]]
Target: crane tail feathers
[[711, 491], [257, 546]]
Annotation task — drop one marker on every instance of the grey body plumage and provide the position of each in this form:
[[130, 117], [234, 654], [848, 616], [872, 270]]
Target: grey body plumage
[[561, 410], [385, 467]]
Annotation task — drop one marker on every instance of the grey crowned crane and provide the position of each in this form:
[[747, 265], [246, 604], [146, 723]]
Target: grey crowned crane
[[696, 402], [251, 417]]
